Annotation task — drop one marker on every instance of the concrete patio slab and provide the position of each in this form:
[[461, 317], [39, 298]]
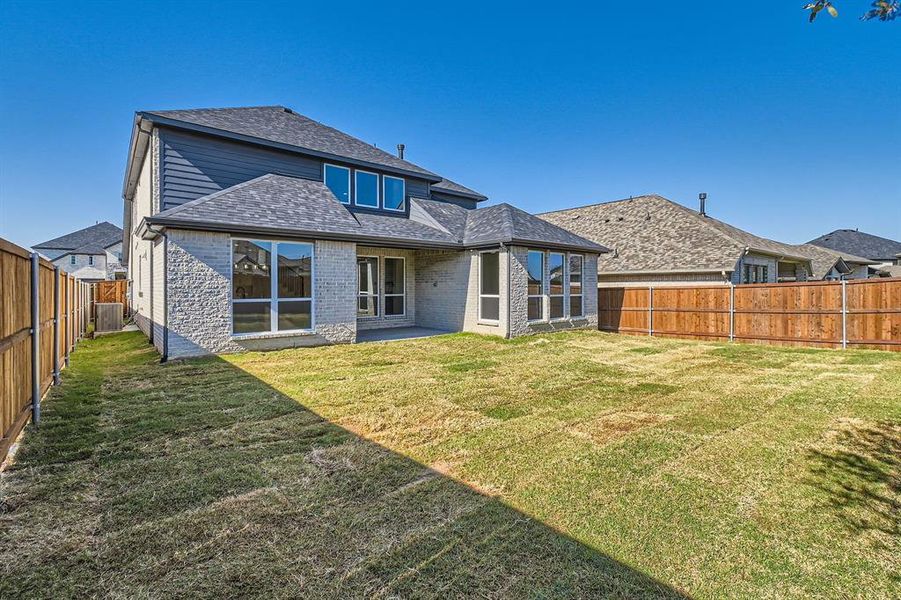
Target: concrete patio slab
[[394, 334]]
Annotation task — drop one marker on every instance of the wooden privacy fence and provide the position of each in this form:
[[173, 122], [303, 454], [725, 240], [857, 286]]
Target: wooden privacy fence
[[863, 313], [105, 292], [43, 312]]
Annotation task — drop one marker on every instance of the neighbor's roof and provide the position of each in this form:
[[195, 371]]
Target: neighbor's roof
[[891, 270], [90, 240], [283, 205], [281, 125], [652, 234], [860, 244], [823, 259]]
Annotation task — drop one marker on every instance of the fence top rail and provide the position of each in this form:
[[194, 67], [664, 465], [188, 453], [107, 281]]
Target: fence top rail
[[11, 248], [874, 280], [663, 288]]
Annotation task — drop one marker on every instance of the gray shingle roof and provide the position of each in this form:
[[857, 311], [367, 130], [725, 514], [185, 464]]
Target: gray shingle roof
[[823, 259], [446, 185], [653, 234], [284, 126], [87, 240], [860, 244], [280, 204]]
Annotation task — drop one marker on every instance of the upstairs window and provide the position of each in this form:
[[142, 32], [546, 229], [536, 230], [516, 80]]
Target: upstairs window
[[72, 260], [338, 180], [535, 269], [366, 189], [555, 270], [394, 193], [91, 261]]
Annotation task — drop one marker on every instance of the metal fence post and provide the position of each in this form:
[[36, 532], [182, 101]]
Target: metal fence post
[[35, 339], [651, 310], [731, 311], [56, 326], [844, 314]]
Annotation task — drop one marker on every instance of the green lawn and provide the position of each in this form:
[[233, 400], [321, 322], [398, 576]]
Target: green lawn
[[566, 465]]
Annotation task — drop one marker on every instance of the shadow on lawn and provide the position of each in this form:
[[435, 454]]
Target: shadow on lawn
[[863, 477], [211, 482]]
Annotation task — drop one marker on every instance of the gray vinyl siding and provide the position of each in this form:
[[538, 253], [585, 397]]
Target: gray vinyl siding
[[470, 204], [194, 165], [417, 188]]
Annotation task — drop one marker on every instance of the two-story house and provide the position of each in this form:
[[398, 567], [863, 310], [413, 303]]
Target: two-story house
[[91, 254], [252, 228]]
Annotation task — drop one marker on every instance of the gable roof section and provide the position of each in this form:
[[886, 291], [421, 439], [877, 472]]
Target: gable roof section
[[90, 240], [823, 259], [860, 244], [282, 205], [651, 234]]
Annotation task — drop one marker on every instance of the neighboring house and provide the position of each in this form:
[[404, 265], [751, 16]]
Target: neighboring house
[[833, 265], [260, 228], [92, 254], [884, 253], [656, 241]]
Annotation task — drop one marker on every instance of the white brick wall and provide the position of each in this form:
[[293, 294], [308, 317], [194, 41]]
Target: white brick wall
[[383, 321], [199, 297], [447, 291], [139, 252], [335, 267], [519, 306], [157, 291]]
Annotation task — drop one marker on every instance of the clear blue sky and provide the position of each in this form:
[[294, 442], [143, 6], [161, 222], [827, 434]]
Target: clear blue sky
[[792, 129]]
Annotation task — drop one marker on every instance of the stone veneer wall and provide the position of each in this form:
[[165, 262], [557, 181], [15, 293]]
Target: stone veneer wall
[[519, 318], [447, 291], [382, 321], [198, 291]]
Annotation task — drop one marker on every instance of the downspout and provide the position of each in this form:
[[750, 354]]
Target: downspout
[[506, 248]]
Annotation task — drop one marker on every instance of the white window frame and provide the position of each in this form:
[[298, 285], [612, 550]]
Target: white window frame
[[378, 196], [563, 275], [273, 290], [90, 260], [568, 288], [403, 203], [72, 259], [325, 167], [545, 309], [481, 295], [378, 286], [384, 294]]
